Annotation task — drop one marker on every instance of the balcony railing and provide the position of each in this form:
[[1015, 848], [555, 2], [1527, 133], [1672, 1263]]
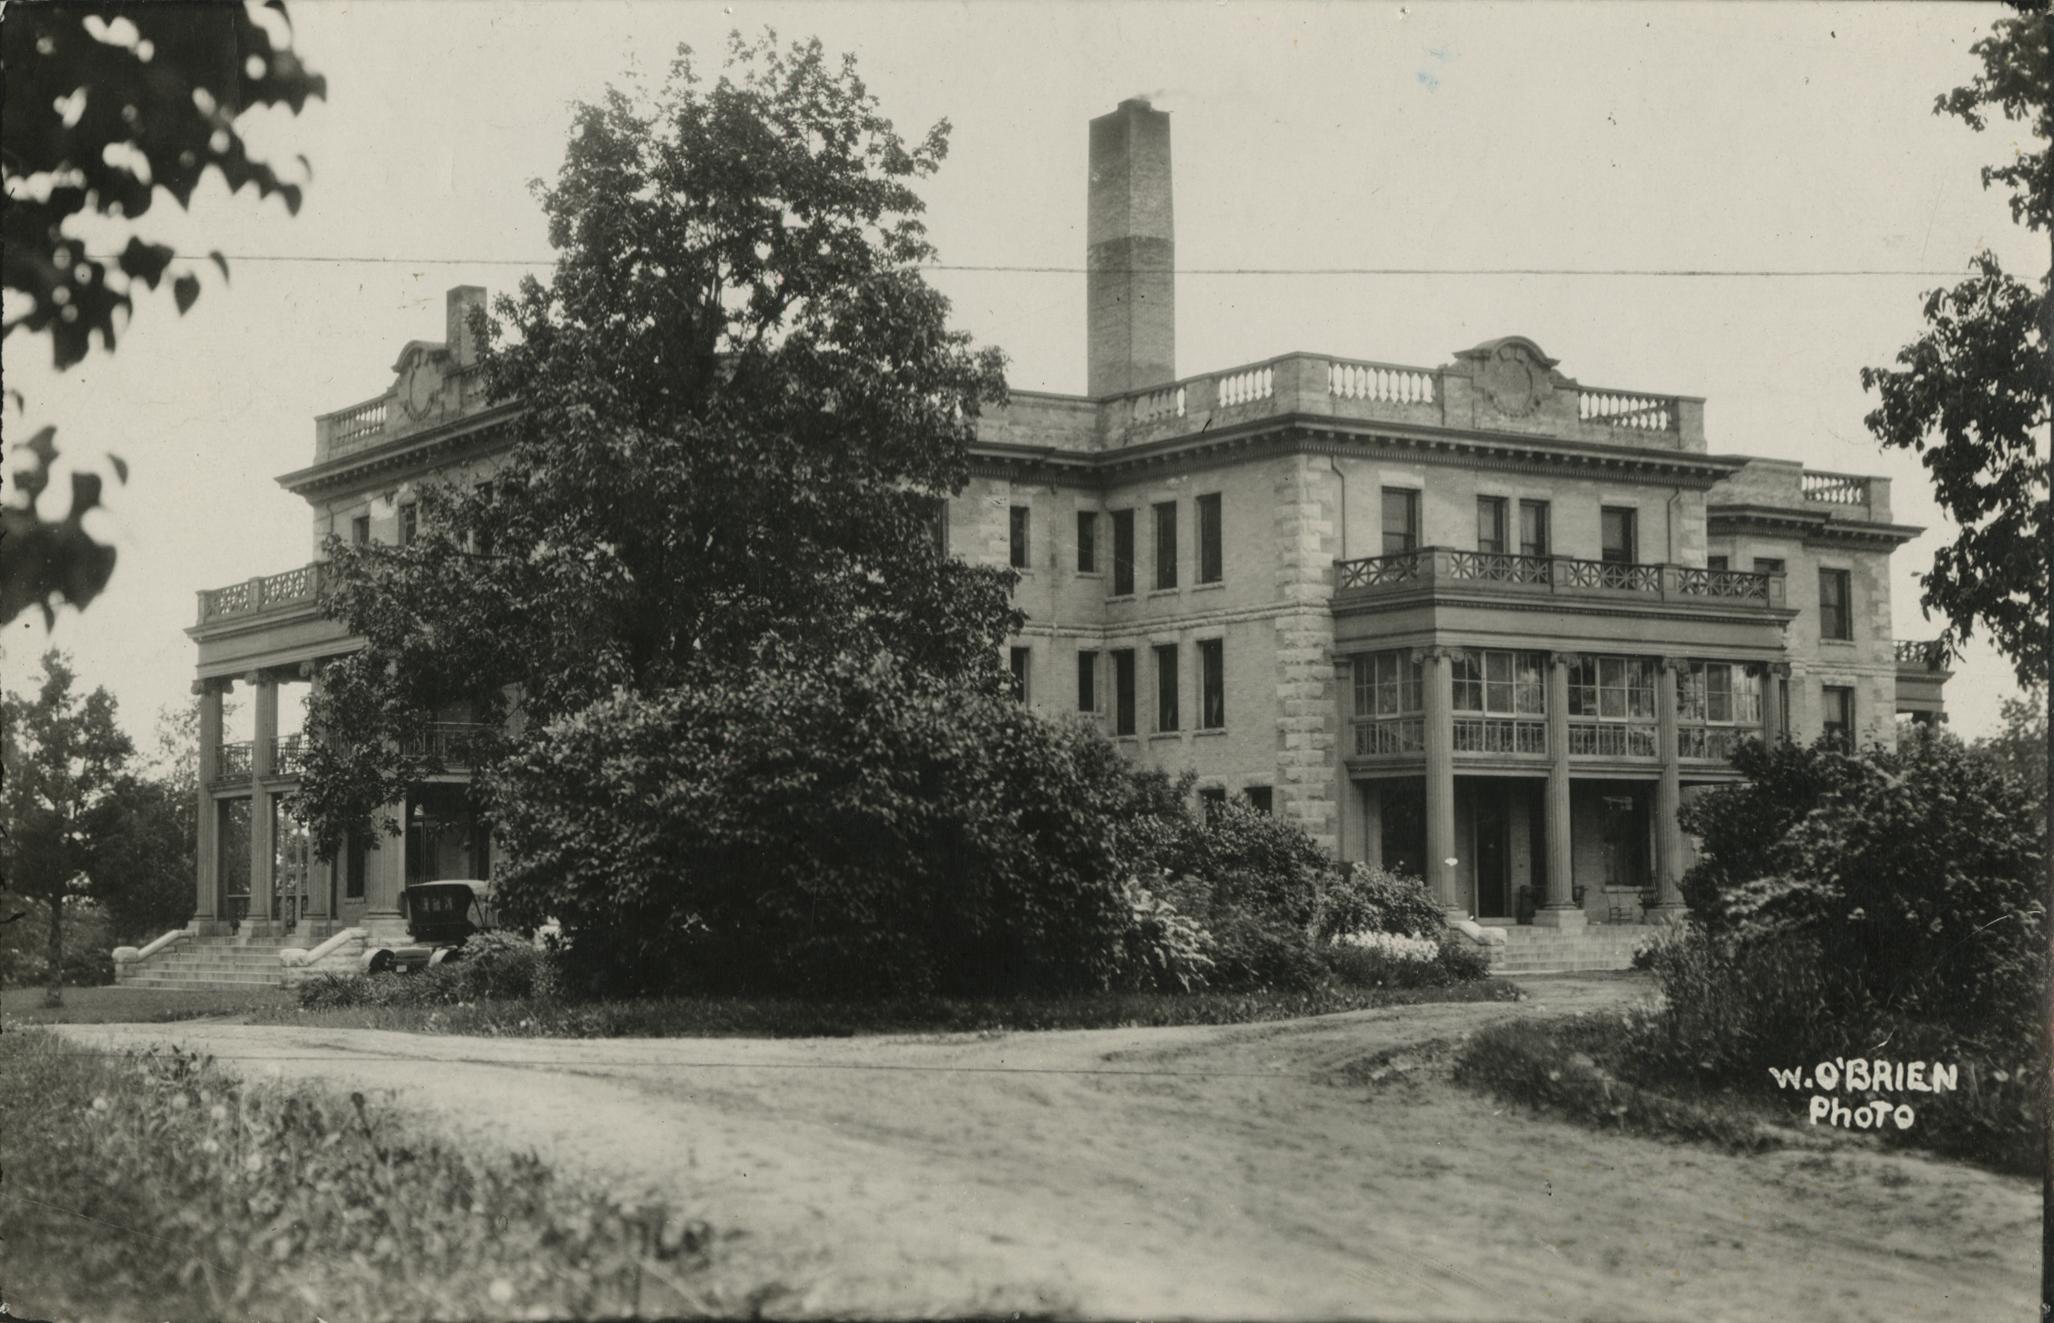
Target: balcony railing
[[1613, 739], [1922, 654], [293, 587], [1557, 574], [238, 760], [1383, 737], [450, 743], [288, 755], [1836, 488], [1500, 735], [1712, 743]]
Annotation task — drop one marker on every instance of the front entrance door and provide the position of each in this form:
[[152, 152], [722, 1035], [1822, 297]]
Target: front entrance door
[[1493, 900]]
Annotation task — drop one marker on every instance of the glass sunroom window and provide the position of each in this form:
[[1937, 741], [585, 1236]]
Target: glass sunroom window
[[1500, 683], [1613, 688], [1388, 685]]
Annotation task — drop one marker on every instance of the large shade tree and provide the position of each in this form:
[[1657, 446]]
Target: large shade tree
[[740, 404], [109, 106]]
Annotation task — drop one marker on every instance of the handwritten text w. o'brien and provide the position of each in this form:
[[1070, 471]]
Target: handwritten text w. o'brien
[[1856, 1075]]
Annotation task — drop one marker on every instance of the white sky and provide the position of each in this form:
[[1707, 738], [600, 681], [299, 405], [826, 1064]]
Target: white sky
[[1789, 137]]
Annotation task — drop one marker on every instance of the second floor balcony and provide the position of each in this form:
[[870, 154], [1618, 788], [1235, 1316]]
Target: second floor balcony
[[1435, 570]]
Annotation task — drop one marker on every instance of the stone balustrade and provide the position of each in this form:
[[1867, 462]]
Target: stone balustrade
[[266, 592], [1429, 566]]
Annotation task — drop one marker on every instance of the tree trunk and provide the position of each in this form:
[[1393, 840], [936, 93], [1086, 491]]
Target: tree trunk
[[54, 994]]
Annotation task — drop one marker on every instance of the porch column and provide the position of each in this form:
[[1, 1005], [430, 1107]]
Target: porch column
[[1440, 780], [1561, 909], [320, 881], [1668, 797], [1373, 823], [1347, 813], [207, 860], [262, 848], [386, 870], [1772, 702]]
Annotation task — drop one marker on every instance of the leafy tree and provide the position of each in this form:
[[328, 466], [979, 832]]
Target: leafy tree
[[106, 104], [1974, 395], [65, 758], [1742, 830], [740, 404], [2019, 748], [141, 869]]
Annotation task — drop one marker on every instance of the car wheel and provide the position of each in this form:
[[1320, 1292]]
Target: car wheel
[[381, 963]]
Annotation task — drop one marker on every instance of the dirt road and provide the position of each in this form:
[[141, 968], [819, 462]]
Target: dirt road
[[1239, 1172]]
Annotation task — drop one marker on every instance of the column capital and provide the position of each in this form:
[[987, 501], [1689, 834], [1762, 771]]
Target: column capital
[[1564, 659], [253, 678], [1673, 663], [1437, 652], [306, 669]]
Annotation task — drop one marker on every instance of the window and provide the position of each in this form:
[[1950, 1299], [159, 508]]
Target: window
[[1123, 553], [1715, 562], [1387, 684], [409, 523], [1500, 683], [1612, 688], [1260, 798], [1621, 535], [1018, 530], [1211, 564], [1839, 716], [1166, 545], [1123, 691], [1087, 542], [1166, 686], [360, 531], [1719, 694], [1401, 521], [1087, 682], [1019, 664], [1836, 620], [1490, 523], [1533, 528], [1213, 799], [356, 867], [1212, 684], [1768, 564]]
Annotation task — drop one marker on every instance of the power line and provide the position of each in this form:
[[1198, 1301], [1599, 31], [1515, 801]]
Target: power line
[[1007, 268]]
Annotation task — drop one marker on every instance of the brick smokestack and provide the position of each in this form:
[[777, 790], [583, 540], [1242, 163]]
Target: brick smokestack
[[1131, 252]]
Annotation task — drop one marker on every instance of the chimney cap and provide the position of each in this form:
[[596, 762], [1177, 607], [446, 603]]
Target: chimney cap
[[1139, 101]]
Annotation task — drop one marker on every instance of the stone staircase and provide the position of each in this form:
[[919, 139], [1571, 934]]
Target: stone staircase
[[1529, 949], [227, 963]]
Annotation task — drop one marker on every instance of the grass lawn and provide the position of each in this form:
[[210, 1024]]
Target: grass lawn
[[788, 1017], [158, 1185], [118, 1005]]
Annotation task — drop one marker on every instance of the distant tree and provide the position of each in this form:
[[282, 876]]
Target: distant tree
[[1974, 395], [741, 406], [64, 758], [105, 105], [141, 865], [2019, 748]]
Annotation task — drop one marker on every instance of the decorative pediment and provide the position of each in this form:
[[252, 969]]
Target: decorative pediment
[[1512, 374], [419, 372]]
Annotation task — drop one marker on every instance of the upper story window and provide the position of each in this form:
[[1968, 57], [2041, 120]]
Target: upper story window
[[1533, 528], [1260, 798], [1768, 565], [1718, 694], [1018, 531], [1401, 520], [1490, 523], [360, 531], [409, 523], [1123, 553], [1123, 691], [1387, 684], [1087, 682], [1087, 542], [1166, 545], [1612, 688], [1500, 683], [1836, 614], [1716, 562], [1019, 668], [1621, 534], [1211, 554], [1212, 684], [1166, 715]]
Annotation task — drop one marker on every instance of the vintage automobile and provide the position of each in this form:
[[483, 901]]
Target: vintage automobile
[[441, 916]]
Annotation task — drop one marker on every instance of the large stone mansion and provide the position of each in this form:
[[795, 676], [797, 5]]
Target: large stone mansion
[[1480, 621]]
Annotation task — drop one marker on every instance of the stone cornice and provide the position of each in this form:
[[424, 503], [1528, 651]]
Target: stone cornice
[[1814, 527], [425, 451]]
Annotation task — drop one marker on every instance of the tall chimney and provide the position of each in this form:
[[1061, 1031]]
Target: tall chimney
[[1131, 252], [462, 345]]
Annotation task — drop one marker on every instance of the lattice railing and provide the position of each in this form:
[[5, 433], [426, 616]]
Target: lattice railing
[[286, 589], [1711, 743], [1744, 585], [1618, 575], [288, 755], [1499, 567], [1506, 735], [451, 743], [1613, 739], [1388, 736], [1928, 653], [1382, 571], [238, 760]]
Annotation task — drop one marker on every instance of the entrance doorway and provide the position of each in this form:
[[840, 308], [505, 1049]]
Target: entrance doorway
[[1493, 871]]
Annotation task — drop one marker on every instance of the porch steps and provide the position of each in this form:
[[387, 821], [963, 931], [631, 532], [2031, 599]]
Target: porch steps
[[1534, 950], [226, 964]]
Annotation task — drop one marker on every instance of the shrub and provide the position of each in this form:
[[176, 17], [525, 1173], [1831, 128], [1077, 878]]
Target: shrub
[[276, 1202], [1162, 949], [1357, 898]]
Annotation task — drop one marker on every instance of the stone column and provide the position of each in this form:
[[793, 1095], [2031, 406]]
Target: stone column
[[207, 857], [385, 873], [1668, 797], [262, 848], [320, 881], [1561, 909], [1773, 677], [1373, 823], [1347, 813], [1440, 781]]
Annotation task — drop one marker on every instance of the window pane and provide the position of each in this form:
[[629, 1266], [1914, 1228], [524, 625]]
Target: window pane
[[1212, 668], [1087, 542], [1019, 665], [1401, 521], [1166, 545], [1533, 528], [1619, 534], [1123, 552], [1533, 684], [1210, 564], [1498, 682], [1490, 523], [1123, 692], [1365, 686], [1412, 696], [1087, 682], [1719, 693], [1017, 528], [1166, 687]]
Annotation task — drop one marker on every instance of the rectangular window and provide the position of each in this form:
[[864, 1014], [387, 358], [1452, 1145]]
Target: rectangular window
[[1123, 553], [1715, 562], [1467, 666], [1260, 798], [1087, 682], [1213, 799], [1166, 545], [356, 867], [1839, 715], [1087, 542], [1388, 684], [1490, 523], [1401, 521], [1533, 528], [1500, 683], [1621, 535], [1836, 620], [1768, 565], [1166, 687], [409, 523], [1018, 531], [360, 531], [1123, 691], [1612, 688], [1019, 665], [1212, 684], [1719, 694], [1211, 555]]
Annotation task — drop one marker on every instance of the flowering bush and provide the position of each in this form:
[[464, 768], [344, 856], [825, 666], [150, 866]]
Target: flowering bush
[[1394, 960], [1393, 946], [1359, 898]]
